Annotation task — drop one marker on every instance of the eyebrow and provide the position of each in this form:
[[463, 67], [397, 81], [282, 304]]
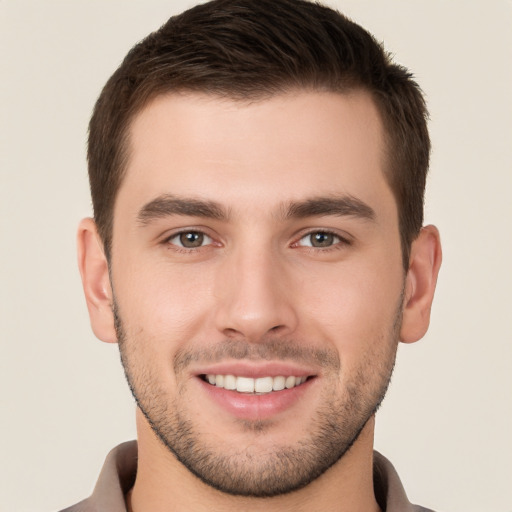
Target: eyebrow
[[333, 205], [168, 205]]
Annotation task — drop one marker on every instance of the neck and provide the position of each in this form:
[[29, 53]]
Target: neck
[[164, 484]]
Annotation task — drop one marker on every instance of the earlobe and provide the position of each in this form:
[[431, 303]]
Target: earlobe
[[93, 266], [420, 284]]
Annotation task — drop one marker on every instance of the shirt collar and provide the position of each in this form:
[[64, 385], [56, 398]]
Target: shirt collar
[[118, 476]]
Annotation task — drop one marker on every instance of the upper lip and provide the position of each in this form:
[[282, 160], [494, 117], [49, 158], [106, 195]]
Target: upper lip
[[256, 370]]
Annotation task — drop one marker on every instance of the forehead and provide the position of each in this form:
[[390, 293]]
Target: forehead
[[288, 147]]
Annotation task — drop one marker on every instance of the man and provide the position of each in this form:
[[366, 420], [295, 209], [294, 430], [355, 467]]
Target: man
[[257, 172]]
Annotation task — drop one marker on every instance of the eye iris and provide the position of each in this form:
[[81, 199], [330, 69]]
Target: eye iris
[[191, 239], [322, 239]]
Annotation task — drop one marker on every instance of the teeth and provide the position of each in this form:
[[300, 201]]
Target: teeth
[[263, 385], [279, 383], [244, 385], [290, 382], [260, 385], [229, 381]]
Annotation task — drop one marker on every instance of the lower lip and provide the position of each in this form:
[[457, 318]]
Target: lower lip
[[248, 406]]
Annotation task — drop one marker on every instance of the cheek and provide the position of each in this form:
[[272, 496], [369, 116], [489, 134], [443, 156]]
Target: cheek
[[159, 302], [355, 308]]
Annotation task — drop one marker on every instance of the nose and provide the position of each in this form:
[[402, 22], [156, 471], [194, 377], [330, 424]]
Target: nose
[[254, 296]]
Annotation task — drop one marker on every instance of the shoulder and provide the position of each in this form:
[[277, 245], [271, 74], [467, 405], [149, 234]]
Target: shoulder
[[115, 480], [389, 490]]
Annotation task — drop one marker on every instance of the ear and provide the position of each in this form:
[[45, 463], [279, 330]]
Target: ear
[[420, 284], [93, 266]]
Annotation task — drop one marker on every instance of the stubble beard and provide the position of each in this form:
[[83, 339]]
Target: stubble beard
[[250, 471]]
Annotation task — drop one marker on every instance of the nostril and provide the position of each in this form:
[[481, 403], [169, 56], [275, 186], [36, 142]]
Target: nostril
[[232, 333]]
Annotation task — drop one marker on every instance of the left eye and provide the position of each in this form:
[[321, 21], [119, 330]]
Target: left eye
[[190, 239], [319, 239]]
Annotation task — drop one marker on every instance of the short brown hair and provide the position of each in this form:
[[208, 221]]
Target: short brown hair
[[248, 49]]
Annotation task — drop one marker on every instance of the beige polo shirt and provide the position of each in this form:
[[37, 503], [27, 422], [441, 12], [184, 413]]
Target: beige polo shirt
[[118, 476]]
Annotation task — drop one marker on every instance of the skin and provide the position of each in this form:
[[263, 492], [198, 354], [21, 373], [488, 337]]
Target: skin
[[255, 283]]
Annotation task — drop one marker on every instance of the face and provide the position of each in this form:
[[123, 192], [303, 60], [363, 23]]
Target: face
[[258, 282]]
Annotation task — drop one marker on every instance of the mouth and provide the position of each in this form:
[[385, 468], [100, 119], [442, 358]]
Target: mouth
[[254, 386], [258, 391]]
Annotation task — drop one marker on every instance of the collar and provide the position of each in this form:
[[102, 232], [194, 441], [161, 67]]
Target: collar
[[118, 476]]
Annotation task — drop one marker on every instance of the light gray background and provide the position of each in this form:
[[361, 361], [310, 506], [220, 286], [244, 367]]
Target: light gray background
[[447, 421]]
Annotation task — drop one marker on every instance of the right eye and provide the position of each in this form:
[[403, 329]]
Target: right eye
[[319, 239], [190, 239]]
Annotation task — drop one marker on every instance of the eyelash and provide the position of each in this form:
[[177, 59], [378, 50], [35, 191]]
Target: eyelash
[[338, 243], [180, 248]]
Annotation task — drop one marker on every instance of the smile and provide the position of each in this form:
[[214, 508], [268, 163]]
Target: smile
[[261, 385]]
